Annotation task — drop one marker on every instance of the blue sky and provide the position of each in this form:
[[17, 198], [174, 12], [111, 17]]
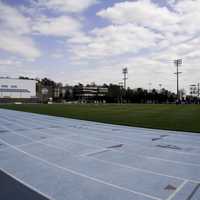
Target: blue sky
[[92, 40]]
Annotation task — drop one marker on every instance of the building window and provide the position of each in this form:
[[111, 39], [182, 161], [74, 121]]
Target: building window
[[4, 86], [13, 86]]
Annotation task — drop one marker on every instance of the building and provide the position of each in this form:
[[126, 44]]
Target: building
[[48, 90], [90, 93], [12, 88], [67, 93]]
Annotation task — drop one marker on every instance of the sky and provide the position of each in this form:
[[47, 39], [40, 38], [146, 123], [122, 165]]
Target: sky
[[72, 41]]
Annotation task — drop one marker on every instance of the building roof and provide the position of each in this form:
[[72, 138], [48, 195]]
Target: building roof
[[9, 78]]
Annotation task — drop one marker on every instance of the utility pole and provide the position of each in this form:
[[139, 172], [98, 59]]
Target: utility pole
[[125, 72], [178, 63]]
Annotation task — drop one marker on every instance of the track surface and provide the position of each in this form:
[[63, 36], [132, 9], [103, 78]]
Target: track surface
[[60, 159], [13, 189]]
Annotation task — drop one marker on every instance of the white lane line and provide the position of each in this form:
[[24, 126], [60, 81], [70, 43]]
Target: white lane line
[[92, 128], [57, 137], [171, 161], [52, 137], [138, 169], [97, 134], [29, 120], [140, 135], [144, 170], [13, 132], [27, 144], [110, 162], [117, 164], [177, 190], [133, 168], [96, 137], [83, 175], [107, 126], [150, 157], [71, 140], [149, 147], [143, 156], [27, 185], [119, 136], [165, 159], [21, 145]]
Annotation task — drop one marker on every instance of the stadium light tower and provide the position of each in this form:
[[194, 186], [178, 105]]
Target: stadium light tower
[[178, 63], [125, 72]]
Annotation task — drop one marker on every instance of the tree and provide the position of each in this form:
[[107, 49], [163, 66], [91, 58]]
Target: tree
[[114, 94]]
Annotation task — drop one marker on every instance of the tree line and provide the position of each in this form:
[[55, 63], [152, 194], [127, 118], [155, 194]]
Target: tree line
[[114, 93]]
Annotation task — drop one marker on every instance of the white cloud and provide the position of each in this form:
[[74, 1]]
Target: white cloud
[[142, 13], [139, 34], [71, 6], [179, 22], [189, 12], [178, 25], [57, 55], [17, 44], [115, 40], [57, 26], [9, 62], [14, 33], [152, 36], [11, 19], [80, 38]]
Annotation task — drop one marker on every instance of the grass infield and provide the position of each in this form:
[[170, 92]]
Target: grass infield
[[157, 116]]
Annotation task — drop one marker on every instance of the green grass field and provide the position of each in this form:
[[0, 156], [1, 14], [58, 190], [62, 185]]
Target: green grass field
[[171, 117]]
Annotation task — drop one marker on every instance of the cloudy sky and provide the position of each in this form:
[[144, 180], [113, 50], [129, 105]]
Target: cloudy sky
[[87, 41]]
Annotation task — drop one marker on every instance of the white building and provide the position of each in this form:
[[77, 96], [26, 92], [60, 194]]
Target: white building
[[17, 88]]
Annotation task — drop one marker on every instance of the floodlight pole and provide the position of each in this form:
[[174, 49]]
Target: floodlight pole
[[125, 72], [177, 63]]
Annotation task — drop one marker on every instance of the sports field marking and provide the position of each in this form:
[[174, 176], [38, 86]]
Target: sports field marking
[[148, 157], [81, 174], [90, 129], [136, 139], [144, 170], [177, 190], [88, 155], [117, 164]]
